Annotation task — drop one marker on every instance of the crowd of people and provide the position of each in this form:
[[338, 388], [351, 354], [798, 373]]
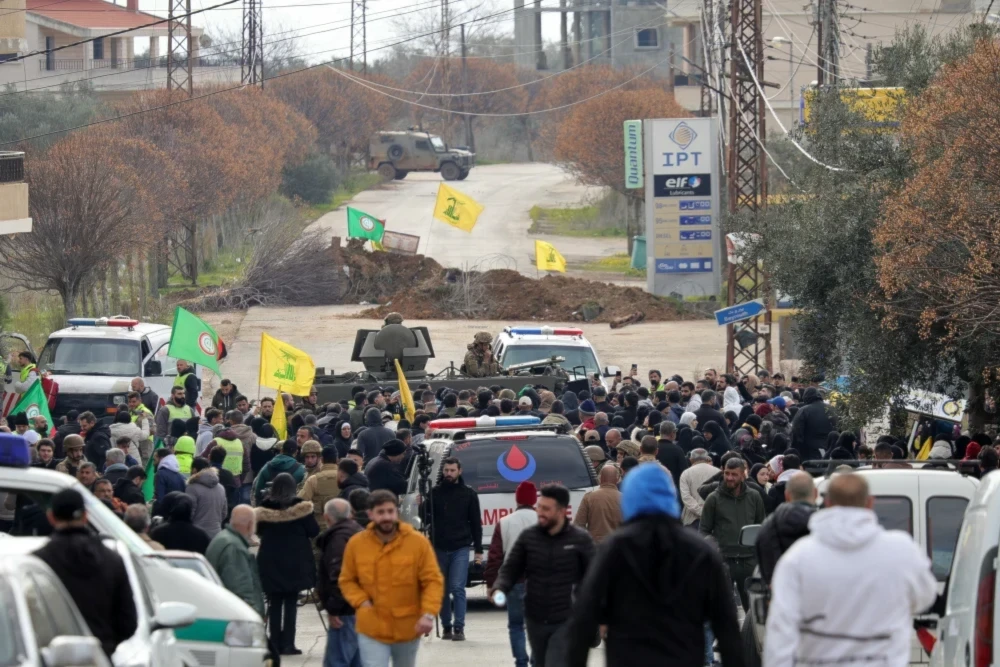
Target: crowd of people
[[681, 467]]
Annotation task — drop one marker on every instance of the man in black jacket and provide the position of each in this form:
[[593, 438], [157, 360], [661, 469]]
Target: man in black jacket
[[385, 471], [670, 454], [96, 438], [456, 524], [788, 523], [342, 637], [812, 423], [554, 556], [708, 412], [667, 584], [374, 437], [94, 575], [128, 489], [72, 426]]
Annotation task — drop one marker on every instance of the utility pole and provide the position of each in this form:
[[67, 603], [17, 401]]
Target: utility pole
[[445, 31], [179, 47], [828, 42], [470, 141], [252, 54], [359, 34], [708, 48], [748, 342]]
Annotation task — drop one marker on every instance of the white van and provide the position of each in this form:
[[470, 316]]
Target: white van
[[497, 454], [94, 361], [968, 628]]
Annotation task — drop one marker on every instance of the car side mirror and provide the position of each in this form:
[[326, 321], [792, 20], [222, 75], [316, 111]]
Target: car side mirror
[[171, 615], [71, 651], [748, 535], [154, 368], [611, 371]]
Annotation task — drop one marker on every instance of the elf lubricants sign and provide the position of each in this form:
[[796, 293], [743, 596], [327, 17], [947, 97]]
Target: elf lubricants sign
[[682, 206]]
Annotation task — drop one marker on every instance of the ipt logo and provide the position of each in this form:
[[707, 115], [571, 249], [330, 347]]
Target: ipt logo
[[207, 344], [683, 135]]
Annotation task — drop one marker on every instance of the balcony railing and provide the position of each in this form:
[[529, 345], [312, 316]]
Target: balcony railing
[[11, 166], [79, 64]]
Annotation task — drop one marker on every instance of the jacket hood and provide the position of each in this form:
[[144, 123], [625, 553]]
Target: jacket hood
[[170, 463], [570, 401], [209, 477], [357, 479], [811, 395], [718, 435], [276, 514], [114, 467], [777, 417], [373, 417], [79, 552], [844, 528], [184, 445], [649, 490], [941, 450], [282, 463], [225, 432], [266, 444], [791, 520], [205, 427], [241, 430]]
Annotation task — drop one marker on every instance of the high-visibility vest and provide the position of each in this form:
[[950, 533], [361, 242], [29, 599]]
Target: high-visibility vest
[[234, 455], [184, 412], [27, 370], [179, 380], [142, 408]]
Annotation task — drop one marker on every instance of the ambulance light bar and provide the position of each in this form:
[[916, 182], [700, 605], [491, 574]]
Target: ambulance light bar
[[482, 422], [543, 331]]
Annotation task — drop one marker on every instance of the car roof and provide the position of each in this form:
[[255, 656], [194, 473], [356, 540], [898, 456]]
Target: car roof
[[13, 561], [111, 333], [884, 481], [530, 339]]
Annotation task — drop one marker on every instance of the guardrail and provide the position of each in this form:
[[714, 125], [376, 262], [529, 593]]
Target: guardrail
[[11, 166]]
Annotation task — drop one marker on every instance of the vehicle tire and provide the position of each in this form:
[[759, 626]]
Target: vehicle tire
[[464, 175], [396, 152], [751, 658], [450, 171], [400, 174], [387, 171]]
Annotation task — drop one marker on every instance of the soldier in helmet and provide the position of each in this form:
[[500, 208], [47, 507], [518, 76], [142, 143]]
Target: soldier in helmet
[[311, 453], [393, 318], [479, 359]]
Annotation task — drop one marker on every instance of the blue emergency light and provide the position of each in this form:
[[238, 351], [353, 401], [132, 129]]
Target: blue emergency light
[[544, 331], [101, 322], [14, 451], [482, 422]]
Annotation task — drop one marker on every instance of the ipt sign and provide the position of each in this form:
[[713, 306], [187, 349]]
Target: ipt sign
[[683, 137]]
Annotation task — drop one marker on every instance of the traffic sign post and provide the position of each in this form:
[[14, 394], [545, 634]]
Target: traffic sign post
[[740, 312]]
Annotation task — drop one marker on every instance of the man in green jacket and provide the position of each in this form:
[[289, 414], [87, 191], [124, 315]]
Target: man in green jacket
[[229, 553], [727, 509], [283, 462]]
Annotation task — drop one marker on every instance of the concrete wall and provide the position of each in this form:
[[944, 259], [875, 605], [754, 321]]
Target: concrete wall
[[12, 26]]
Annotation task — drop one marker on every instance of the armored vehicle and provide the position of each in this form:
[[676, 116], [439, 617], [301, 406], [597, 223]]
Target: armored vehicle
[[395, 154]]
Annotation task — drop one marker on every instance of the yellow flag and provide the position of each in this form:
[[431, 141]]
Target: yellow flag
[[405, 395], [278, 420], [285, 367], [377, 246], [456, 209], [547, 258]]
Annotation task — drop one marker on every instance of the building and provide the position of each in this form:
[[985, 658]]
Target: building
[[107, 63], [14, 215]]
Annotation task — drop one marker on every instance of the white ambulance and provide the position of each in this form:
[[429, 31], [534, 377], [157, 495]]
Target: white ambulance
[[516, 346], [497, 454]]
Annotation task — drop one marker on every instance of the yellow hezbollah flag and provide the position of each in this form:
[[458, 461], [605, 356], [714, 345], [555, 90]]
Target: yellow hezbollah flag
[[456, 209], [405, 395], [278, 420], [547, 258], [285, 367], [924, 451]]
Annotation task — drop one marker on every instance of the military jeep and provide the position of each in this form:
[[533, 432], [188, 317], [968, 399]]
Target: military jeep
[[395, 154]]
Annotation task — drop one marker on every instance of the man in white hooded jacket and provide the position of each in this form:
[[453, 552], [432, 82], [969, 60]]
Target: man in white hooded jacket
[[847, 593]]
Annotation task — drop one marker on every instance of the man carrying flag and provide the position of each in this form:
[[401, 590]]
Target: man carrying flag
[[405, 395], [33, 404], [547, 258]]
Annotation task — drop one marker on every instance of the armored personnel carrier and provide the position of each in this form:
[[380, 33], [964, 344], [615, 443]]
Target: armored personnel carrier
[[377, 350]]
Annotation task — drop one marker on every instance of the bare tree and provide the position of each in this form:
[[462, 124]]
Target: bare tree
[[469, 12], [281, 46]]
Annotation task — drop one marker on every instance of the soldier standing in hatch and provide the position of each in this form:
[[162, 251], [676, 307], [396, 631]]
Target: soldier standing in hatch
[[479, 359], [393, 318]]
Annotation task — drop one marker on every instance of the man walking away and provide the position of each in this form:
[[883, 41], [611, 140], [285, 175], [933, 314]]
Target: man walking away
[[323, 486], [94, 575], [670, 455], [553, 555], [700, 472], [812, 423], [456, 524], [600, 511], [847, 614], [229, 553], [504, 537], [727, 509], [668, 583], [787, 524], [342, 636], [391, 577]]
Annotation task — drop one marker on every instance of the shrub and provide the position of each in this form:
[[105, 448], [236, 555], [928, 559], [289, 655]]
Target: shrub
[[314, 181]]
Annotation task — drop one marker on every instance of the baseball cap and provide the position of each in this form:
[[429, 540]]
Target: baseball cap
[[67, 505], [524, 401]]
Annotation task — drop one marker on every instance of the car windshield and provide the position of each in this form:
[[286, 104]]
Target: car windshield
[[192, 564], [498, 465], [575, 356], [10, 639], [438, 145], [91, 356]]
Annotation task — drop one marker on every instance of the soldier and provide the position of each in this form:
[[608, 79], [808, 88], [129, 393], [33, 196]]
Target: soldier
[[311, 452], [479, 359], [393, 318]]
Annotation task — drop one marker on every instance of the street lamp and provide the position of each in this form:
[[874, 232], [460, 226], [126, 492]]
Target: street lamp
[[776, 42]]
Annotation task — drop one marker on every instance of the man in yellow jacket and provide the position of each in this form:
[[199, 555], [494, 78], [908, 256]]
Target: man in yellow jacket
[[391, 577]]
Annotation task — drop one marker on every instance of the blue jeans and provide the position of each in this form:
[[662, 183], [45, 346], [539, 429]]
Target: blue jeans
[[342, 645], [515, 626], [709, 640], [455, 568], [244, 493], [376, 654]]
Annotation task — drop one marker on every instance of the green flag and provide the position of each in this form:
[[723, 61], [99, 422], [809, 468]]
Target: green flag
[[33, 403], [193, 340], [360, 225], [150, 484]]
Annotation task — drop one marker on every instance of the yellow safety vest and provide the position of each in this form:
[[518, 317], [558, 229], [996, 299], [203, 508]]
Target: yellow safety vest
[[184, 412], [234, 455], [142, 408], [179, 380], [27, 371]]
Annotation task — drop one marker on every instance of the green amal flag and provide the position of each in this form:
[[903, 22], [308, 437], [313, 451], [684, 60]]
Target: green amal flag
[[194, 341], [150, 483], [34, 403], [360, 225]]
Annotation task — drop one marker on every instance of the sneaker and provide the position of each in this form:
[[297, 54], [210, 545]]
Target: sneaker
[[447, 635], [459, 636]]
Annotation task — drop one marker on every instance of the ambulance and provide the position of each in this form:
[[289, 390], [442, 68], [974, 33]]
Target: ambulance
[[517, 347], [497, 454]]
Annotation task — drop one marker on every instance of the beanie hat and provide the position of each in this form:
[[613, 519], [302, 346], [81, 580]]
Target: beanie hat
[[587, 407], [526, 494], [394, 447], [649, 491]]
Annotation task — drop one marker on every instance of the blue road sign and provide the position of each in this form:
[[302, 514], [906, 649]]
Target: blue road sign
[[739, 312]]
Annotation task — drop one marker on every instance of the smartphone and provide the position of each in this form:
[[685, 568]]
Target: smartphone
[[618, 374], [635, 368]]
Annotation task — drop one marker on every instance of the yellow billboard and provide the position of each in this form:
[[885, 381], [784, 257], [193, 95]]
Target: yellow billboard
[[879, 105]]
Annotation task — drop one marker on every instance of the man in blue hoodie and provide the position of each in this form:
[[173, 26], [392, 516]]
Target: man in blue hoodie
[[668, 583]]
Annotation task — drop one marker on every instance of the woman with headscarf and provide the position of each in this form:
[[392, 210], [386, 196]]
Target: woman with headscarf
[[972, 450], [686, 432], [572, 405], [778, 444], [286, 526], [732, 418], [831, 443], [718, 441], [343, 438], [846, 447], [177, 531], [961, 443], [546, 399]]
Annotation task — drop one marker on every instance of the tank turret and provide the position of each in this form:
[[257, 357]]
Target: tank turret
[[378, 350]]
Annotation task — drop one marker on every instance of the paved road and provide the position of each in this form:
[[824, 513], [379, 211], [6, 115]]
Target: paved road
[[500, 239], [326, 333], [486, 644]]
